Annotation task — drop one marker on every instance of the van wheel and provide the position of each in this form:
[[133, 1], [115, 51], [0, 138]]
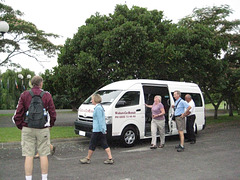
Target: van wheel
[[129, 136]]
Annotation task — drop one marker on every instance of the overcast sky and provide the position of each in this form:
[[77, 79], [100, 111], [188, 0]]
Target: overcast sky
[[64, 17]]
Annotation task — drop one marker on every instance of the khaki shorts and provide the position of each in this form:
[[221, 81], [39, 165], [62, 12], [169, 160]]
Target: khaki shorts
[[33, 139], [180, 122]]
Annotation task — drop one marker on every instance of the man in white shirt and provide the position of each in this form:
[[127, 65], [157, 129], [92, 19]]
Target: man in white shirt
[[190, 120]]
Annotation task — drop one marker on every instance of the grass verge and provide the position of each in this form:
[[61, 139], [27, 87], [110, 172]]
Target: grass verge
[[222, 119], [8, 115], [13, 134], [67, 112], [210, 106]]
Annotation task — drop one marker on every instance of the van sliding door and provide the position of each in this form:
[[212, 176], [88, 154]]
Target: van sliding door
[[150, 91]]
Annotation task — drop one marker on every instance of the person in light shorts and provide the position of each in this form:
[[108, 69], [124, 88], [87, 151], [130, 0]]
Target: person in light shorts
[[35, 138], [180, 114], [41, 137]]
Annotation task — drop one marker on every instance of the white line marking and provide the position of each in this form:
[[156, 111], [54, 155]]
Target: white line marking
[[138, 149]]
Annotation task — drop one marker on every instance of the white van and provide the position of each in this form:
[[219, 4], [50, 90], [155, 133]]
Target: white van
[[127, 118]]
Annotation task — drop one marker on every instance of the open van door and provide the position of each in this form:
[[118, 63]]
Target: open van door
[[150, 91]]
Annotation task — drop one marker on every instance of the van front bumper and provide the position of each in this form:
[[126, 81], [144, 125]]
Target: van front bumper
[[86, 127]]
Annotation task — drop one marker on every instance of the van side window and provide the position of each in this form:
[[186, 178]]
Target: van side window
[[195, 96], [197, 99], [130, 98]]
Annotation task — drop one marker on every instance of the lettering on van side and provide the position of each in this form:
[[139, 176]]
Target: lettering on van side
[[125, 114], [86, 110]]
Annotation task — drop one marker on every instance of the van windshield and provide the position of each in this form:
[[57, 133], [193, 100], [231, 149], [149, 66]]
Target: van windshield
[[108, 96]]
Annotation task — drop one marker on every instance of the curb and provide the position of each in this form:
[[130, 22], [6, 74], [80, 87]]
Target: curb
[[54, 141]]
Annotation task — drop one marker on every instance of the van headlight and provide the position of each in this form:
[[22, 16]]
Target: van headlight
[[108, 119]]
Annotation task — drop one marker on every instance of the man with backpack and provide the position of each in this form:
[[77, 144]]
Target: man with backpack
[[31, 117]]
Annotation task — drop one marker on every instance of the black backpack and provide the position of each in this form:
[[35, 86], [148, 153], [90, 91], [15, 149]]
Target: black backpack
[[36, 116]]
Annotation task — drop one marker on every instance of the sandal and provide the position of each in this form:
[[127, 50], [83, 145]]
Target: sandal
[[161, 146], [36, 156], [153, 146], [53, 150]]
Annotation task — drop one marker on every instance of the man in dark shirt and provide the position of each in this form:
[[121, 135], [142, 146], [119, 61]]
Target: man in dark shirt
[[32, 137]]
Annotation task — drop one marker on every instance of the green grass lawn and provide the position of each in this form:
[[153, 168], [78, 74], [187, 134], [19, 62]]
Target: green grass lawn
[[13, 134], [223, 119], [210, 106], [9, 115], [70, 111]]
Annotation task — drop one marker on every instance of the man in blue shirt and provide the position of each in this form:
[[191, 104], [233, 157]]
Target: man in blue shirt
[[180, 114]]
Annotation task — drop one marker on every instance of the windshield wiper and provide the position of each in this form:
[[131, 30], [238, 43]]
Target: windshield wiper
[[106, 102], [87, 102]]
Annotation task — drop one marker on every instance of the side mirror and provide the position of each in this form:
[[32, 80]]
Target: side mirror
[[120, 104]]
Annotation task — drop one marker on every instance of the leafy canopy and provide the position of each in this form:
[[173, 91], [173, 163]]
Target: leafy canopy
[[130, 43], [23, 38]]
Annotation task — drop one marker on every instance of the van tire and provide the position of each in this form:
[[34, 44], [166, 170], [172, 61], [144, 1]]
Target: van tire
[[129, 136]]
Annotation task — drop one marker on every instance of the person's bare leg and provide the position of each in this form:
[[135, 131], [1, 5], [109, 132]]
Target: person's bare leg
[[51, 147], [108, 151], [44, 164], [181, 135], [28, 165], [90, 152]]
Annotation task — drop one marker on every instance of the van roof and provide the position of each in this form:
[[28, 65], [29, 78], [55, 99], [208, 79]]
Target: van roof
[[126, 84]]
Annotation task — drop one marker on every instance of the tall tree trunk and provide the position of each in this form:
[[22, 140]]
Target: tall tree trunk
[[230, 107], [215, 112]]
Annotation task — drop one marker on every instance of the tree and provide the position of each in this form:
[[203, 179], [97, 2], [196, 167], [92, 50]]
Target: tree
[[24, 38], [51, 84], [125, 45], [11, 87], [62, 83], [209, 38], [8, 90], [137, 43], [232, 75]]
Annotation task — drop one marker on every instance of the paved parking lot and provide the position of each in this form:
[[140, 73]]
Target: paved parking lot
[[216, 155]]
